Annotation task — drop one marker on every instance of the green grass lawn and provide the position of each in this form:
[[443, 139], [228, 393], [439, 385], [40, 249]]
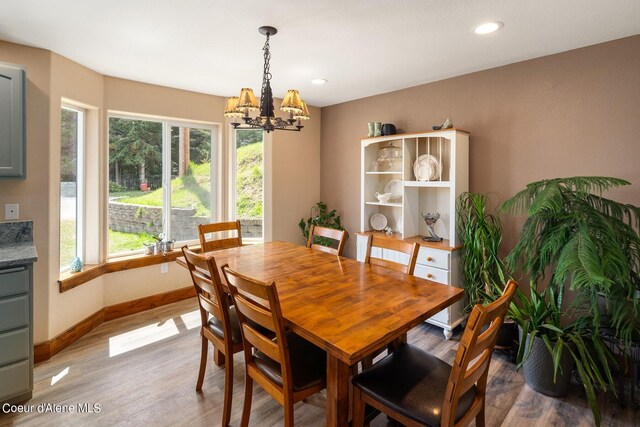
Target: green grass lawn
[[190, 190], [118, 242], [121, 242], [67, 242]]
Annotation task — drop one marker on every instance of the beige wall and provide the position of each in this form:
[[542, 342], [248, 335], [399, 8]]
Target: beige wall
[[574, 113], [296, 177], [52, 78], [32, 194]]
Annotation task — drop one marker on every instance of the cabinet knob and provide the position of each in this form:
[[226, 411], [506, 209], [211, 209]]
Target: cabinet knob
[[429, 258], [429, 276]]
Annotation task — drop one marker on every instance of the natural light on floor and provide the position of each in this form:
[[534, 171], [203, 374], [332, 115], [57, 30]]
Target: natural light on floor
[[191, 320], [56, 378], [142, 336]]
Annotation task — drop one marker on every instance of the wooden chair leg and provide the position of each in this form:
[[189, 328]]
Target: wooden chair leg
[[248, 394], [480, 417], [288, 412], [203, 363], [228, 392], [218, 357], [358, 408]]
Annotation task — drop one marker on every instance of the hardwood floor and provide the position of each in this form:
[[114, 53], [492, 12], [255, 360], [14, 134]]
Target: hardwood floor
[[142, 370]]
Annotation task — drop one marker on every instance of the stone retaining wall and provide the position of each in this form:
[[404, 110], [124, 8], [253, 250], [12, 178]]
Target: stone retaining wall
[[130, 218]]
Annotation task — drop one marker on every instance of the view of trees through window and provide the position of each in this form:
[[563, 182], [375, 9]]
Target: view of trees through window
[[136, 197], [249, 181]]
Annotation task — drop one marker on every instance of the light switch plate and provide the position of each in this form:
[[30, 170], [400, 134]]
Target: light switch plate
[[11, 211]]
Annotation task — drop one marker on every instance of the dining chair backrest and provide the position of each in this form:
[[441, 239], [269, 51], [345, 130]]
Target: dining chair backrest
[[212, 299], [407, 248], [222, 243], [258, 301], [471, 364], [340, 236]]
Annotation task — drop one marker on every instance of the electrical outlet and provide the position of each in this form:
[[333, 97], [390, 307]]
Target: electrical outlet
[[164, 267], [11, 211]]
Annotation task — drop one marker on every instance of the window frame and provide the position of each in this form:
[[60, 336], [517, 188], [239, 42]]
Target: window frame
[[80, 178], [216, 172]]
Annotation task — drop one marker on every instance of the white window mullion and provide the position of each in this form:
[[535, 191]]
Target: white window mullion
[[166, 179]]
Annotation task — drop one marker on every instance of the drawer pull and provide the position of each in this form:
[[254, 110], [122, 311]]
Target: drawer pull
[[429, 276], [429, 258]]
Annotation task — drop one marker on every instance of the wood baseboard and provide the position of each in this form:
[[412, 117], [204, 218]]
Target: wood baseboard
[[44, 351], [135, 306]]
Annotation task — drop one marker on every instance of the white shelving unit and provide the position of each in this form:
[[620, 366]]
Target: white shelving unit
[[439, 261]]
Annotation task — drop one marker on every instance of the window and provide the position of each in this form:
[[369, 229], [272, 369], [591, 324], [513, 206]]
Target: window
[[160, 181], [249, 182], [71, 185]]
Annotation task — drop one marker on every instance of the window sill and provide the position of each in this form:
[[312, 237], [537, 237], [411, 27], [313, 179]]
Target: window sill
[[69, 280]]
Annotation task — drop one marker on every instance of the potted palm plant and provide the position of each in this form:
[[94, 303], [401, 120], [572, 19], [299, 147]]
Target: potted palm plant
[[483, 270], [574, 237]]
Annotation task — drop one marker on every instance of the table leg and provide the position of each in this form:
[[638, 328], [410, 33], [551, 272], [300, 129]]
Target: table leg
[[338, 386]]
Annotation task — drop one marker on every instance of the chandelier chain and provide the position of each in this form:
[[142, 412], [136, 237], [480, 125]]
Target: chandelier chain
[[266, 74]]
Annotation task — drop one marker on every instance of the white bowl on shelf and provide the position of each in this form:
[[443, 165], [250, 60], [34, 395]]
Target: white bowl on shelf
[[383, 197]]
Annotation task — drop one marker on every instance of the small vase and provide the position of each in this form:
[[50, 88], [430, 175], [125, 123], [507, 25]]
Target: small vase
[[371, 130], [377, 129], [76, 265]]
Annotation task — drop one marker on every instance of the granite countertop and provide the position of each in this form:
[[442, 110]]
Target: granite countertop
[[17, 254], [16, 243]]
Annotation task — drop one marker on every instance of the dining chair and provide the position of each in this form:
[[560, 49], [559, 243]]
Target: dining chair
[[340, 236], [220, 325], [416, 388], [409, 249], [288, 367], [226, 242]]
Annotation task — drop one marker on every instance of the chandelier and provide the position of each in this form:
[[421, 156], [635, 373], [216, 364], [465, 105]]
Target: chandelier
[[241, 106]]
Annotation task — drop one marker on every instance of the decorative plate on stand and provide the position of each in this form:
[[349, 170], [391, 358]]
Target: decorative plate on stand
[[427, 168], [378, 222]]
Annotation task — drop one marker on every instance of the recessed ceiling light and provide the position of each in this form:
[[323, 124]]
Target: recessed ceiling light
[[319, 81], [488, 27]]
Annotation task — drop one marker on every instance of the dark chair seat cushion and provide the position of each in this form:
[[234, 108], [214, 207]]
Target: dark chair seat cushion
[[215, 325], [413, 383], [308, 364]]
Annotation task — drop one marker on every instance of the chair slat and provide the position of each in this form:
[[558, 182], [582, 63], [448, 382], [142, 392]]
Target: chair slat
[[227, 242], [330, 233], [256, 313], [473, 373], [210, 307], [410, 249], [262, 343], [485, 339]]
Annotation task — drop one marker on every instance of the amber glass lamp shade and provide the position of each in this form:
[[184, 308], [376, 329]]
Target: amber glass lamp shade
[[304, 115], [292, 102], [247, 99], [232, 110]]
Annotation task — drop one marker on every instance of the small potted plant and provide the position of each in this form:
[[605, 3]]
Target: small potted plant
[[324, 218]]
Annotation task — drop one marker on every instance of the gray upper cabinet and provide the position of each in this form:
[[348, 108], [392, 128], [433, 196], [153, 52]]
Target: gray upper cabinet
[[12, 121]]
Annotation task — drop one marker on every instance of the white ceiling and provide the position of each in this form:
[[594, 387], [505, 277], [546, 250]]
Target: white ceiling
[[363, 47]]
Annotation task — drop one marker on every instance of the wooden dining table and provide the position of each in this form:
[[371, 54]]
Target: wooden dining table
[[348, 308]]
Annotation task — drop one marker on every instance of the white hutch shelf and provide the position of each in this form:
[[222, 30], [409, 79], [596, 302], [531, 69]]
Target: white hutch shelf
[[439, 261]]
